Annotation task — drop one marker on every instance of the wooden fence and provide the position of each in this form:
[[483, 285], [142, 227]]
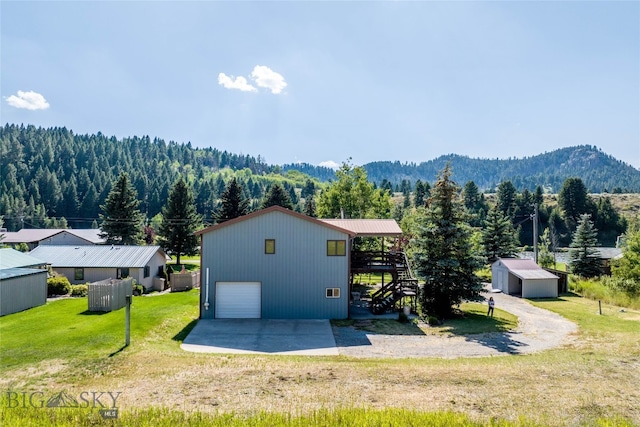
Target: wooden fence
[[185, 281], [109, 294]]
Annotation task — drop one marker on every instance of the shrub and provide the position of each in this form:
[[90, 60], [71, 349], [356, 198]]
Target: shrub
[[137, 289], [58, 286], [433, 321], [79, 290]]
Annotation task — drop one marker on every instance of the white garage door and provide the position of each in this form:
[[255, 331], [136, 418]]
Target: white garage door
[[238, 300]]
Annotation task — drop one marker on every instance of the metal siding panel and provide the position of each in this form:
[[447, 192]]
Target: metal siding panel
[[294, 278], [23, 292]]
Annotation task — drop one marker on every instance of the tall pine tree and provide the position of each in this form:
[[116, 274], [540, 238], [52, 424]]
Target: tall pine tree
[[582, 253], [277, 196], [498, 236], [179, 222], [121, 220], [233, 205], [443, 254]]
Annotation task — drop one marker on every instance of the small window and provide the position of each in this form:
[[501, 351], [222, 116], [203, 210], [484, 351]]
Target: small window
[[269, 246], [336, 248], [332, 292], [147, 271], [121, 273], [78, 274]]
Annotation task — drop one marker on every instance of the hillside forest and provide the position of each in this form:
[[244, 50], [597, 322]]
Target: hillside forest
[[53, 178]]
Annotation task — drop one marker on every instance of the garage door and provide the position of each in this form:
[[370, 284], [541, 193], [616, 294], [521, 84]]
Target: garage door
[[238, 300]]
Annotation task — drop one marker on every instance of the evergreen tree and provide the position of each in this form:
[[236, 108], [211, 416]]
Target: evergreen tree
[[121, 220], [233, 203], [506, 195], [310, 207], [628, 267], [546, 251], [499, 239], [443, 254], [574, 201], [419, 194], [582, 254], [277, 196], [179, 222]]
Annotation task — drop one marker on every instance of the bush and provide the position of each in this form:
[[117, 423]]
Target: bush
[[433, 321], [58, 286], [79, 290], [137, 289]]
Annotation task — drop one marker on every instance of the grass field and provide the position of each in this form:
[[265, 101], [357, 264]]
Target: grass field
[[60, 347]]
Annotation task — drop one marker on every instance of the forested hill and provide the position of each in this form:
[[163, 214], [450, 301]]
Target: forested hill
[[599, 172], [52, 173]]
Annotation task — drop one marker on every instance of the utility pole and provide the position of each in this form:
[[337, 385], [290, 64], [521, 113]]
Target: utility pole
[[535, 232]]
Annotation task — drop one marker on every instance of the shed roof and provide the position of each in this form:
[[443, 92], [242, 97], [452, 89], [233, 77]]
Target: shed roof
[[273, 209], [96, 255], [10, 273], [10, 258], [368, 227], [30, 235], [525, 269]]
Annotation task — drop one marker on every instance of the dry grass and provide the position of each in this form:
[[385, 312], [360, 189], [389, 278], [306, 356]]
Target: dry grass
[[597, 376]]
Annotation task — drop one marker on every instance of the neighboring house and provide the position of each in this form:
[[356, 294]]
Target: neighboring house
[[279, 264], [34, 237], [92, 263], [606, 255], [23, 282], [523, 277]]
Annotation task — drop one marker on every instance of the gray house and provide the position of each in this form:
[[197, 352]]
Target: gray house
[[34, 237], [275, 264], [23, 283], [92, 263], [523, 277]]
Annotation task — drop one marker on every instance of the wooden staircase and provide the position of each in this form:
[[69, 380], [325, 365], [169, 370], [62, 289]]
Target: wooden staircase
[[403, 286]]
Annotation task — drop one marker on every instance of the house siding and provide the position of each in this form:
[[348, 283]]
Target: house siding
[[23, 292], [293, 279], [541, 288]]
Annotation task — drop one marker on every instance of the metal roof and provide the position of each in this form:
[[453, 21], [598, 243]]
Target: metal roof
[[368, 227], [30, 235], [96, 255], [526, 268], [9, 273], [10, 258], [269, 210]]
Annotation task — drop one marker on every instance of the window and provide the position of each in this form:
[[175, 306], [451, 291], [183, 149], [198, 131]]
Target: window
[[332, 292], [269, 246], [147, 271], [121, 273], [336, 248], [78, 274]]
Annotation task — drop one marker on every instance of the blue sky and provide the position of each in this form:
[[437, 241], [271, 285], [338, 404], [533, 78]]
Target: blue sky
[[325, 81]]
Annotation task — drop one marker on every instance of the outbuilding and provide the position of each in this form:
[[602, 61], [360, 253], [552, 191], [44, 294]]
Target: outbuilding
[[23, 282], [515, 276]]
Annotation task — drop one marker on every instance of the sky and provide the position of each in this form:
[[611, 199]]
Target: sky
[[323, 82]]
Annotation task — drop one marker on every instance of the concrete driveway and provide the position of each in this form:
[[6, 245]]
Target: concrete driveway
[[262, 336]]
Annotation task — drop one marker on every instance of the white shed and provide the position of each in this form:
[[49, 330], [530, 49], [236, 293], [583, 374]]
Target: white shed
[[524, 277]]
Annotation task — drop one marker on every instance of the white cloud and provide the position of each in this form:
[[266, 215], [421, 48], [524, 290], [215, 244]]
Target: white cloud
[[329, 164], [266, 77], [29, 100], [239, 83]]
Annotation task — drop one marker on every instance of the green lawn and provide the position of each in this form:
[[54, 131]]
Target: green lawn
[[65, 329]]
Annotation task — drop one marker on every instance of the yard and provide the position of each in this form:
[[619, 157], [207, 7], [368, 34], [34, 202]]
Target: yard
[[60, 347]]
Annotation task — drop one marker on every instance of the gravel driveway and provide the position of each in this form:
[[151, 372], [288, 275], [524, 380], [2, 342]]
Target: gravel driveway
[[537, 330]]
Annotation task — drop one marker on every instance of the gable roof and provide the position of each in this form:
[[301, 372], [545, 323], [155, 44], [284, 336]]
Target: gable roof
[[279, 209], [368, 227], [10, 258], [30, 235], [525, 268], [89, 256]]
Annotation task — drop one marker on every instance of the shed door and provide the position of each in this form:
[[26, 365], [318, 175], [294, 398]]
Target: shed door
[[238, 300]]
